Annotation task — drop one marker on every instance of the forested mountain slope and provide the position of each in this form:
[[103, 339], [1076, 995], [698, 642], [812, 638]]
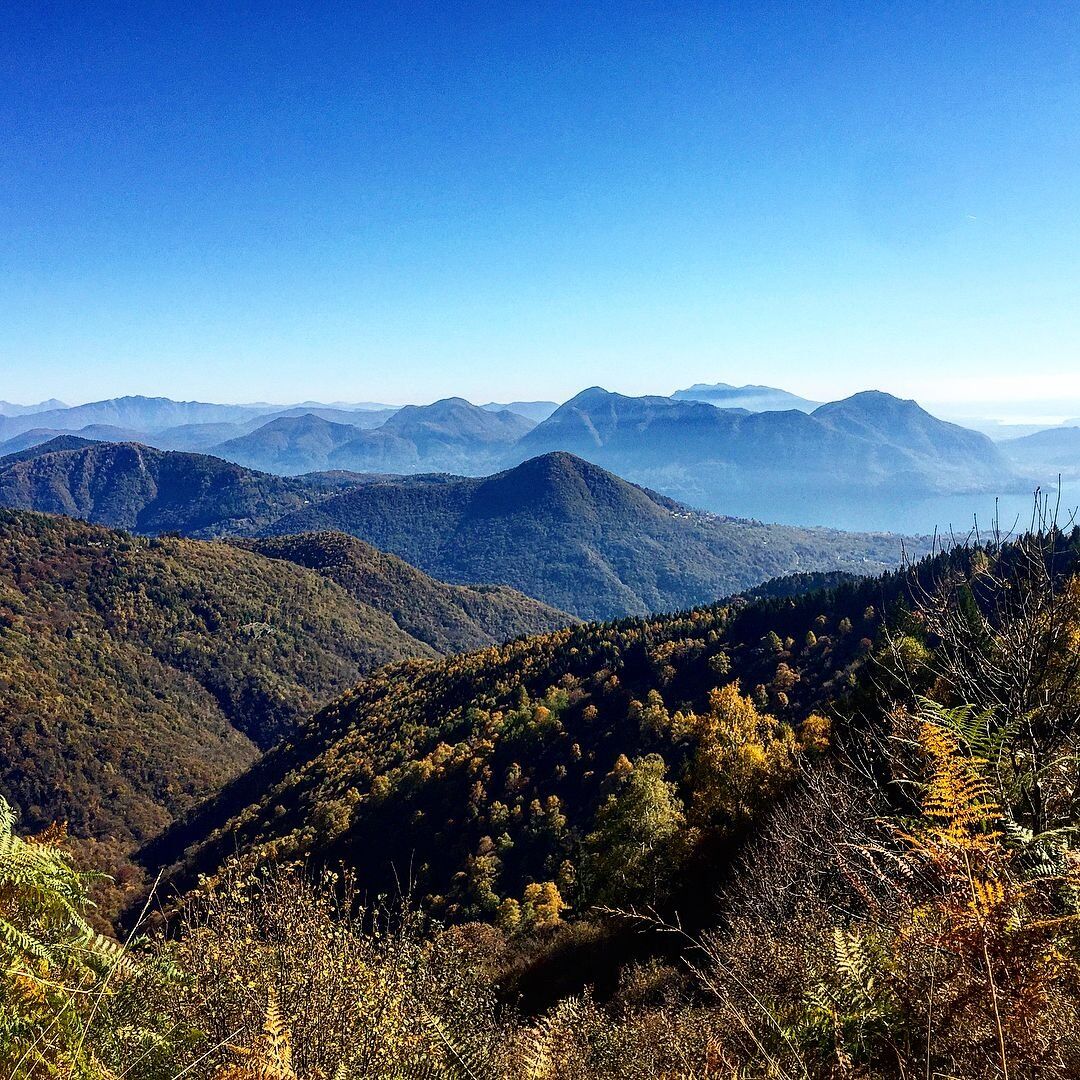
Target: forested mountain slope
[[482, 773], [130, 486], [740, 765], [138, 675], [449, 618]]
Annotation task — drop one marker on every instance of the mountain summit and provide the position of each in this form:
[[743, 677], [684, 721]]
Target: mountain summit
[[750, 397]]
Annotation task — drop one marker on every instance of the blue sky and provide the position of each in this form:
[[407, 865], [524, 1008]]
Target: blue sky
[[400, 201]]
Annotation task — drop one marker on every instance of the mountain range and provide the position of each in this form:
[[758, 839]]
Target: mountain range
[[9, 408], [868, 442], [775, 455], [135, 413], [449, 435], [557, 528], [179, 425]]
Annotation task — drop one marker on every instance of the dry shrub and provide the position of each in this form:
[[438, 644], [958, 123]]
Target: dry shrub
[[360, 992], [289, 979]]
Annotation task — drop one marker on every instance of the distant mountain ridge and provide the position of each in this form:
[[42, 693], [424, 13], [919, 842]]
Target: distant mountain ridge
[[697, 452], [451, 435], [10, 408], [135, 412], [151, 417], [750, 397], [1047, 453]]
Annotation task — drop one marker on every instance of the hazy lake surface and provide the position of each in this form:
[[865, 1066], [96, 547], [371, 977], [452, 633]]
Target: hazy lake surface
[[948, 514]]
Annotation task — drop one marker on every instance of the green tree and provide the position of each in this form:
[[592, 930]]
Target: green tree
[[633, 847]]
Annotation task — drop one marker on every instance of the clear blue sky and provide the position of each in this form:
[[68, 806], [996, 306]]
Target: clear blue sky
[[399, 201]]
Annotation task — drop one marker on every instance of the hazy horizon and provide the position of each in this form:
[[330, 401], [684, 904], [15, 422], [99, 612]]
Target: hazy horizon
[[1033, 413]]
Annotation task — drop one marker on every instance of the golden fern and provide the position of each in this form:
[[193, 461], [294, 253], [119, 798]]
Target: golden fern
[[270, 1056], [545, 1039], [959, 813]]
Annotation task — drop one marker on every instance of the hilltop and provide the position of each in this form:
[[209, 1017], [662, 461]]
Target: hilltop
[[130, 486], [751, 397]]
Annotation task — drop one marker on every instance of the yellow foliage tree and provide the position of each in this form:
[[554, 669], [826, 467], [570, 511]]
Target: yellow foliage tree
[[743, 757]]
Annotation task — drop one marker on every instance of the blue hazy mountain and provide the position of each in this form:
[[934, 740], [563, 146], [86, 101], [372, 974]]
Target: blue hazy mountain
[[451, 435], [179, 420], [90, 433], [135, 413], [870, 442], [531, 410], [288, 444], [750, 397], [10, 408], [1047, 453]]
